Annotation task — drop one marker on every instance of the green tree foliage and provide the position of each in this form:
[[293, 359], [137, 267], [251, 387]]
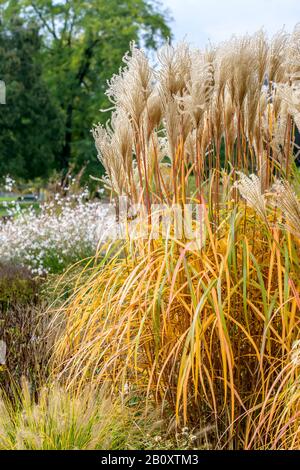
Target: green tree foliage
[[83, 44], [30, 124]]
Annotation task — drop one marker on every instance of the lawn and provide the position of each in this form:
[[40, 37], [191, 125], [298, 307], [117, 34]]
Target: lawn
[[9, 203]]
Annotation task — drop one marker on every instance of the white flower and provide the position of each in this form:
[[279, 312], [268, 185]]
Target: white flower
[[8, 183], [61, 233]]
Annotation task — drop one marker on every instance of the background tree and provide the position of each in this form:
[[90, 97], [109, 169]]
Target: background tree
[[30, 122], [83, 44]]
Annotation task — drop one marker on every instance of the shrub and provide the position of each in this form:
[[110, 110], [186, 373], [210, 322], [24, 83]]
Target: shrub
[[16, 285], [23, 326]]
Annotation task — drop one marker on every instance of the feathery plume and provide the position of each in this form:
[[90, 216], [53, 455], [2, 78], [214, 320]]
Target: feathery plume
[[131, 88], [285, 198], [250, 189]]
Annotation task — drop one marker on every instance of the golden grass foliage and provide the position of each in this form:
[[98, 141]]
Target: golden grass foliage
[[213, 331], [207, 331]]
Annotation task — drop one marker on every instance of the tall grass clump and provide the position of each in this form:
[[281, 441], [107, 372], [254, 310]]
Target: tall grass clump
[[59, 420], [209, 329]]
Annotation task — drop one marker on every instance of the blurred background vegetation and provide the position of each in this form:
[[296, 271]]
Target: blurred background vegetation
[[55, 59]]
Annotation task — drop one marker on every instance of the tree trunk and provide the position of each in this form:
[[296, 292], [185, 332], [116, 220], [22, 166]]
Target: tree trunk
[[82, 71], [66, 150]]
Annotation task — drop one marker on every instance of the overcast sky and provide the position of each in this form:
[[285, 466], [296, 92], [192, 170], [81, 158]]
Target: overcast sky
[[216, 20]]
